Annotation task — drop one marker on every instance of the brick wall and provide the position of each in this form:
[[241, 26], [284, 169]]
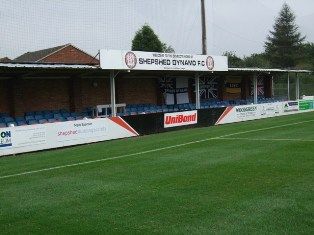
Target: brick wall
[[70, 55], [137, 90], [39, 94], [95, 92], [52, 94]]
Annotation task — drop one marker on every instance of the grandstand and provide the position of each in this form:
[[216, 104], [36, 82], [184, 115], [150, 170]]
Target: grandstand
[[22, 84], [45, 95]]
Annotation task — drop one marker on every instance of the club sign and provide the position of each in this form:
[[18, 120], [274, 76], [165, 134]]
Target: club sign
[[138, 60]]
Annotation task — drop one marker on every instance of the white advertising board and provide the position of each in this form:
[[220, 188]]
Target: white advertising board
[[53, 135], [138, 60], [180, 118], [259, 111], [250, 112], [290, 106]]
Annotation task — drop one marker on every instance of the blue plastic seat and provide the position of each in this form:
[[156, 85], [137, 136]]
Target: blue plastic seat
[[60, 119], [42, 121], [51, 120], [159, 109], [32, 122], [4, 115], [38, 117], [65, 115], [28, 118], [57, 115], [192, 106], [21, 123], [70, 118], [18, 119], [8, 119], [48, 115]]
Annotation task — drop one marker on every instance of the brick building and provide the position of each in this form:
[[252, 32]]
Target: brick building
[[65, 54]]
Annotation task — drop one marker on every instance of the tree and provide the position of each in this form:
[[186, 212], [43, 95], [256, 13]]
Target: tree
[[256, 60], [284, 42], [167, 49], [307, 51], [145, 39], [233, 60]]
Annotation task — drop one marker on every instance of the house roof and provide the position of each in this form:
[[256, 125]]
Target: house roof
[[36, 56], [5, 59], [46, 66]]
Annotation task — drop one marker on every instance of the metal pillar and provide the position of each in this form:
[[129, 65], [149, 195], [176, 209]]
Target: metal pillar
[[255, 88], [272, 87], [197, 91], [288, 86], [112, 93], [297, 87], [204, 40]]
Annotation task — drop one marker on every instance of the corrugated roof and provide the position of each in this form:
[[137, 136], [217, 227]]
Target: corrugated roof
[[78, 66], [269, 70], [45, 66], [37, 55]]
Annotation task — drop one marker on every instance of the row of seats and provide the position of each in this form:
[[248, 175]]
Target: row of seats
[[41, 117], [134, 109], [51, 116]]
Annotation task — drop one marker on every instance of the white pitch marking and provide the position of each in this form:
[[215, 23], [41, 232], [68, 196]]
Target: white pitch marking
[[261, 139], [148, 151]]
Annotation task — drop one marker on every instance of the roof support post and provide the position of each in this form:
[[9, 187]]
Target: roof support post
[[113, 93], [197, 91], [297, 87], [272, 87], [255, 88], [288, 86]]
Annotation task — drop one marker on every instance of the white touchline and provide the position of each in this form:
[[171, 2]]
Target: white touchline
[[148, 151], [263, 139]]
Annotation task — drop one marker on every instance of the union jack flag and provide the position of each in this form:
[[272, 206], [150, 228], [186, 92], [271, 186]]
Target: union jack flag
[[260, 86], [166, 84], [208, 88]]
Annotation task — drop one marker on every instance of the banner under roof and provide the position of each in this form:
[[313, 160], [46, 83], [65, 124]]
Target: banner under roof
[[139, 60]]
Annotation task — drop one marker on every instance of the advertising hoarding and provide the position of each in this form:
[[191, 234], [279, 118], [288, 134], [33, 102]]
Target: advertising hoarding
[[22, 139], [180, 118]]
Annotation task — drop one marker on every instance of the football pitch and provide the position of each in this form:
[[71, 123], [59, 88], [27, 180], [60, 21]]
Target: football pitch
[[243, 178]]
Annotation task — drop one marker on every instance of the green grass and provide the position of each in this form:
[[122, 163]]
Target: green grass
[[240, 186]]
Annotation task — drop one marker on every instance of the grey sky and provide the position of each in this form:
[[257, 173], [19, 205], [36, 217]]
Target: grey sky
[[232, 25]]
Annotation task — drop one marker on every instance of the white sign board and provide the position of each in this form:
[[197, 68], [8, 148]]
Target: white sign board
[[22, 139], [138, 60], [259, 111], [180, 118], [250, 112]]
